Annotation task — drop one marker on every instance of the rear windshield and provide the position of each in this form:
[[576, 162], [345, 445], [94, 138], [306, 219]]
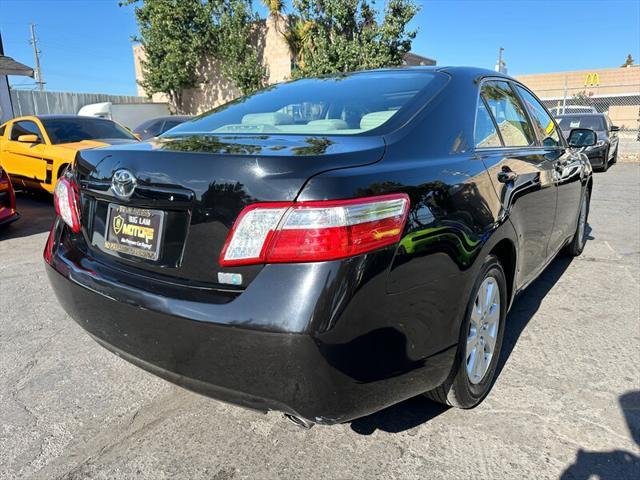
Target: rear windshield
[[344, 105], [570, 122], [69, 130]]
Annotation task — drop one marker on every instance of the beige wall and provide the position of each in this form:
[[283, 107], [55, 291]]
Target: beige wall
[[214, 89], [611, 81]]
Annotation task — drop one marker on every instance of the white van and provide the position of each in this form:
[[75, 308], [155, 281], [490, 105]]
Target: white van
[[128, 114]]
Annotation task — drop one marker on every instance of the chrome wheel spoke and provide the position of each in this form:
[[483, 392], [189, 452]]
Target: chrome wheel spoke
[[479, 363], [490, 342], [472, 341]]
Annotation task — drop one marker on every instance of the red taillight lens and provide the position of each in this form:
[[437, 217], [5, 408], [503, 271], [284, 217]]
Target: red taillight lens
[[66, 199], [314, 231]]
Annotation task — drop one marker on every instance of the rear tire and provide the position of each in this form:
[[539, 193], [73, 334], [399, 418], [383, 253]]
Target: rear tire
[[605, 165], [579, 239], [480, 342]]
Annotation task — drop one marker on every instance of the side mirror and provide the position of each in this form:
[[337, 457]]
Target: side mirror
[[582, 137], [31, 138], [615, 128]]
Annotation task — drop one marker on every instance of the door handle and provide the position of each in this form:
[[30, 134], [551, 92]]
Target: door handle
[[507, 176]]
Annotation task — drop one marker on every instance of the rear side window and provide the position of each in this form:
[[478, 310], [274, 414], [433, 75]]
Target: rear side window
[[509, 114], [542, 121], [25, 127], [2, 129], [486, 135]]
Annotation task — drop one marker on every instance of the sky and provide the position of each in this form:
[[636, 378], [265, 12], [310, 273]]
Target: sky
[[86, 44]]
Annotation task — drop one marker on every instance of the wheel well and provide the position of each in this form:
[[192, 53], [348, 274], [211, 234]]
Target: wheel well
[[506, 253], [61, 169]]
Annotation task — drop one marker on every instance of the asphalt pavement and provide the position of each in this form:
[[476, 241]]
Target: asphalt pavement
[[566, 403]]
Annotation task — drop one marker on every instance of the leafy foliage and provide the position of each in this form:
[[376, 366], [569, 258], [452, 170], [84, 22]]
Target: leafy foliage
[[240, 62], [628, 62], [178, 35], [329, 36], [175, 34], [324, 36]]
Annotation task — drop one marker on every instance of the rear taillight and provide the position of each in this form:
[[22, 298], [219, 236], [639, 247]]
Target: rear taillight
[[66, 200], [314, 231]]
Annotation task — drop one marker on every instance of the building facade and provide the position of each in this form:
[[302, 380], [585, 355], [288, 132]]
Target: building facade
[[615, 91], [215, 90]]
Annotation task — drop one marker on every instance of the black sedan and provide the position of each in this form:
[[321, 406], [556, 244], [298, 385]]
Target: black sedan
[[605, 151], [159, 125], [326, 247]]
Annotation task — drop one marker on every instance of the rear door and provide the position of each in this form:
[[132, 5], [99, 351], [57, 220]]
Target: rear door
[[567, 166], [25, 159], [520, 171]]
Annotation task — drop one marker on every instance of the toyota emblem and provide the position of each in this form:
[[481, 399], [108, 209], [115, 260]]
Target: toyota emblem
[[123, 183]]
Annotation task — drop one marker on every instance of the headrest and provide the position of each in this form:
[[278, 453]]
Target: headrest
[[375, 119], [269, 118]]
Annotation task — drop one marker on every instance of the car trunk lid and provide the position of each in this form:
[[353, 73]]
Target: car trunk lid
[[189, 191]]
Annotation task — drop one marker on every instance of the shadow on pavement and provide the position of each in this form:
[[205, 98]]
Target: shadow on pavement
[[36, 216], [526, 305], [399, 417], [615, 464], [415, 411]]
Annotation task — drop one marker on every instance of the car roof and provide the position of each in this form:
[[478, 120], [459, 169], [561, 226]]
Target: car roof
[[170, 117], [58, 117], [586, 114], [473, 72]]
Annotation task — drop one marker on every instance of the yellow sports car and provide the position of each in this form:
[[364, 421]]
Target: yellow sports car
[[35, 150]]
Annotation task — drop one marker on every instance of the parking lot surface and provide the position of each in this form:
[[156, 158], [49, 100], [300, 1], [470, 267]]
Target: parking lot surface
[[566, 403]]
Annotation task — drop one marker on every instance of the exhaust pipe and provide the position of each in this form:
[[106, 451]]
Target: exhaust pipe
[[299, 421]]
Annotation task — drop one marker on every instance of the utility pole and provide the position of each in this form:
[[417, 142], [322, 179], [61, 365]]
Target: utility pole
[[36, 53], [501, 66]]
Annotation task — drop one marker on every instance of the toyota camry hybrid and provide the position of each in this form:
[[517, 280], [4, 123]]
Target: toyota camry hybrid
[[325, 247]]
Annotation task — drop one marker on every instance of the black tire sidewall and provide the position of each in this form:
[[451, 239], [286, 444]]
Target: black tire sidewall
[[467, 394]]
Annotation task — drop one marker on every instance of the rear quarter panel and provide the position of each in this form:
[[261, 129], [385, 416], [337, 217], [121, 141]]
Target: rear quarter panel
[[454, 222]]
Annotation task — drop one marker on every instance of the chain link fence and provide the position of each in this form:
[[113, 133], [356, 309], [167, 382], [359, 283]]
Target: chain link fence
[[620, 102]]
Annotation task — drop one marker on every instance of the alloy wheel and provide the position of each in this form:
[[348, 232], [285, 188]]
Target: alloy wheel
[[483, 330]]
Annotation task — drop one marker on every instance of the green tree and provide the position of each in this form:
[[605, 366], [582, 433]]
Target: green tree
[[628, 62], [175, 34], [238, 55], [330, 36], [179, 35]]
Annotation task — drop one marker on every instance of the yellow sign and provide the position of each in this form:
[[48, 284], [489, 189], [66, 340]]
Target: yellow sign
[[132, 230], [592, 79], [118, 221]]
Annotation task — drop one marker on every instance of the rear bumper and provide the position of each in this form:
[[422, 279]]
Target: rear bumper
[[9, 217], [327, 368]]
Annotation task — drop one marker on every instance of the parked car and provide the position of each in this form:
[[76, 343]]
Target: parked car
[[157, 126], [326, 247], [605, 151], [127, 114], [572, 109], [35, 150], [8, 212]]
